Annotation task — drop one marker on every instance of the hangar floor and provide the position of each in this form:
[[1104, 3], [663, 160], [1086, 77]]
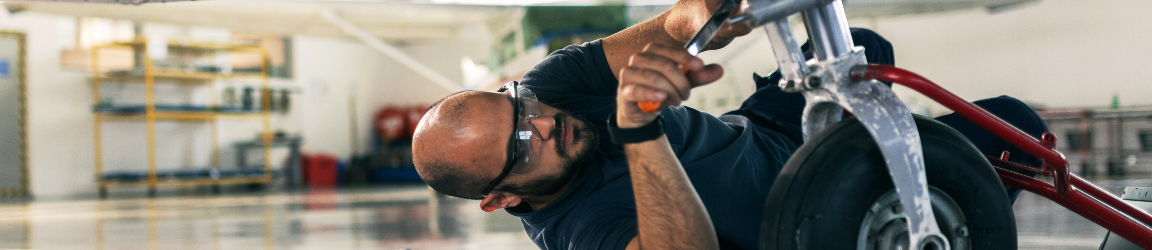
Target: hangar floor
[[388, 217]]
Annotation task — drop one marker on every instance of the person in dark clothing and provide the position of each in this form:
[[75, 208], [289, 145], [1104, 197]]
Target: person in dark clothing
[[541, 150]]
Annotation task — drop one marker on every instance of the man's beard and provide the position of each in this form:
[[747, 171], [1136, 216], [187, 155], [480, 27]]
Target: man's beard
[[571, 166]]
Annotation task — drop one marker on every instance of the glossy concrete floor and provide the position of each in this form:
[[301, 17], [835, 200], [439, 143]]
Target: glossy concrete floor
[[386, 217]]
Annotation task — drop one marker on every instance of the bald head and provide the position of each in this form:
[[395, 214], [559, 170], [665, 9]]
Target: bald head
[[460, 143]]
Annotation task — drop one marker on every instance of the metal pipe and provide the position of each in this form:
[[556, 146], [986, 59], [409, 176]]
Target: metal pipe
[[137, 50], [828, 31], [97, 119], [788, 54], [761, 12], [1111, 200], [1016, 166]]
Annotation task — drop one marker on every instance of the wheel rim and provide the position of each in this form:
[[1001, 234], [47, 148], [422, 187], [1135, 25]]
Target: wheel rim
[[885, 226]]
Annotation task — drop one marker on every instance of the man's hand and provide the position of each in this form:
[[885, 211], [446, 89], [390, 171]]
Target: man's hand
[[689, 15], [655, 75]]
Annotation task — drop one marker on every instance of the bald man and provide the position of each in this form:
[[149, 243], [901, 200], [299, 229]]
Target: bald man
[[540, 150], [679, 178]]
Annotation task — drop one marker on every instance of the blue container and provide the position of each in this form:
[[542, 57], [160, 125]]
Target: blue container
[[403, 174]]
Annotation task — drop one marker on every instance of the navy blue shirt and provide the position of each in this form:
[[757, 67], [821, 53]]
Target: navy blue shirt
[[731, 163]]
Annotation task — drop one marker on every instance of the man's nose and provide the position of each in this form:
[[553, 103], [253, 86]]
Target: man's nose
[[544, 126]]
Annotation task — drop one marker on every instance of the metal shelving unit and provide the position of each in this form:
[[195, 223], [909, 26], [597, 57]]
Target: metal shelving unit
[[150, 115]]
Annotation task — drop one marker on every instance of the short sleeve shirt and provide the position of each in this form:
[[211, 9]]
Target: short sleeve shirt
[[731, 164]]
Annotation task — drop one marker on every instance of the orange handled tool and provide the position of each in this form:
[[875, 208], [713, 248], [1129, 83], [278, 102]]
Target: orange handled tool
[[698, 42], [653, 106], [648, 106]]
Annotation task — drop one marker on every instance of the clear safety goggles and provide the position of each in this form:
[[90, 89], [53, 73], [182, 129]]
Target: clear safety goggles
[[525, 107]]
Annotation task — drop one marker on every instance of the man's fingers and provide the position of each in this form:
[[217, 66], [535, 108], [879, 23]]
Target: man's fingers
[[654, 79], [705, 76], [666, 68], [670, 71], [676, 54], [638, 93]]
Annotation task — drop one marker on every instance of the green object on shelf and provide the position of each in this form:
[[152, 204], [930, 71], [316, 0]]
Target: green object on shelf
[[1115, 101]]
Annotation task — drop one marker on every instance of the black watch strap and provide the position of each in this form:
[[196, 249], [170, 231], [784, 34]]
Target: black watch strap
[[621, 136]]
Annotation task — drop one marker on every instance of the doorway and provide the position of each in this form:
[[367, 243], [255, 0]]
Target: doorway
[[13, 116]]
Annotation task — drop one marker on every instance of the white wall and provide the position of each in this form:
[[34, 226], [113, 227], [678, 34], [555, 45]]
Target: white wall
[[443, 57], [1057, 53], [329, 70]]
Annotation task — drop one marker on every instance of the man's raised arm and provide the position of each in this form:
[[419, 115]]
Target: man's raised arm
[[669, 212], [647, 60]]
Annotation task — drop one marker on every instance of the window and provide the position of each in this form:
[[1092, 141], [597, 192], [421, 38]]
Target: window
[[1078, 140], [1146, 141]]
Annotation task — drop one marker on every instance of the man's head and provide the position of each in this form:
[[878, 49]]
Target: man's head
[[465, 140]]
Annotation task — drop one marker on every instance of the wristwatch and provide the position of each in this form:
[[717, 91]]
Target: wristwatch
[[621, 136]]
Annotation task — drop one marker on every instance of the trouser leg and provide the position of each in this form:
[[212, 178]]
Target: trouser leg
[[772, 108], [1013, 112]]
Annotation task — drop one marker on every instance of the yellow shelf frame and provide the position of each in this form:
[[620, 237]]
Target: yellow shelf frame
[[183, 116], [176, 74], [151, 115], [195, 182], [192, 45]]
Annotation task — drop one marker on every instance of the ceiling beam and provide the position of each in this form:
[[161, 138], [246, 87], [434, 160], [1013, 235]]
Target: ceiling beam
[[391, 51]]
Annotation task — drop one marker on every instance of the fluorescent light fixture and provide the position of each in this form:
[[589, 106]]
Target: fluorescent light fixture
[[505, 2]]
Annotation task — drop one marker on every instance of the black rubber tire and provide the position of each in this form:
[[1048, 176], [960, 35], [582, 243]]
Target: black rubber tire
[[825, 189]]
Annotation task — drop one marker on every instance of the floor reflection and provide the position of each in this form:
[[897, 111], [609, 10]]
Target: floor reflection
[[409, 217], [406, 217]]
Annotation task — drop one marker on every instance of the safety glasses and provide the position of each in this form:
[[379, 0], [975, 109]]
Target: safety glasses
[[525, 107]]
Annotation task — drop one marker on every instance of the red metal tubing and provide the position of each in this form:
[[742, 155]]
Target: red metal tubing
[[1086, 206], [973, 113], [1070, 191], [1111, 200], [1012, 165], [1086, 187]]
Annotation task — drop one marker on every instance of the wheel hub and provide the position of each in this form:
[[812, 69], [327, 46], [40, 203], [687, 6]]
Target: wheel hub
[[885, 226]]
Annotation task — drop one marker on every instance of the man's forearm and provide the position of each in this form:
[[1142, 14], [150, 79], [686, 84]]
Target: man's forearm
[[669, 213], [622, 45]]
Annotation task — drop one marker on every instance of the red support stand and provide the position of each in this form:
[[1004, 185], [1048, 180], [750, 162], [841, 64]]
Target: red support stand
[[1068, 190]]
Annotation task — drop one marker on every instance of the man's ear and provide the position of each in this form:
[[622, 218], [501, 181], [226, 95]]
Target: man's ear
[[498, 200]]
